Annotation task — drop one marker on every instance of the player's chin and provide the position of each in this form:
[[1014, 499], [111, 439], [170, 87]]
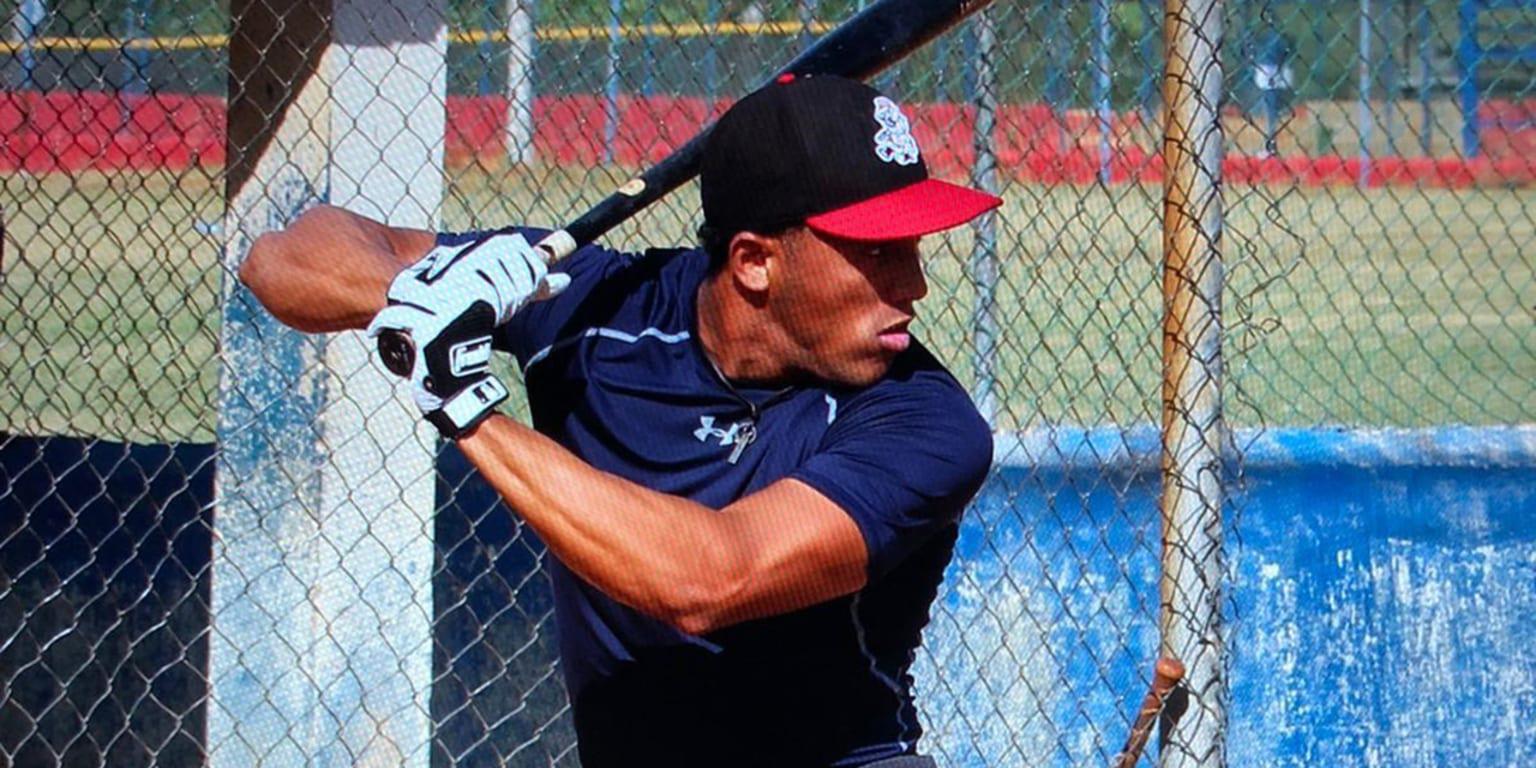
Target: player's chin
[[865, 369]]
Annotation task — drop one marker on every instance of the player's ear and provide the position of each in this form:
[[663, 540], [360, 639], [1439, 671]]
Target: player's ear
[[749, 259]]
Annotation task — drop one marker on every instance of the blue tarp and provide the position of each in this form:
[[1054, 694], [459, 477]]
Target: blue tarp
[[1384, 596]]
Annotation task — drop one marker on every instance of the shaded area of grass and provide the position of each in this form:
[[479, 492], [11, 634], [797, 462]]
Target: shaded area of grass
[[1386, 307]]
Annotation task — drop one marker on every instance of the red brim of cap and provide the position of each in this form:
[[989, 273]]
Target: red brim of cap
[[913, 211]]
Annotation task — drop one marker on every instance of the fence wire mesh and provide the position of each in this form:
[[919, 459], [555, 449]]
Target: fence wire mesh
[[1376, 247]]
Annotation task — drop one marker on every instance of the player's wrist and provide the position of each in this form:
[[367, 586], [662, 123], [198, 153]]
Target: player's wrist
[[466, 409]]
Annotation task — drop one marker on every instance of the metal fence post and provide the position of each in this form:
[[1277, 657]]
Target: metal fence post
[[1469, 57], [1192, 495], [1101, 84], [135, 38], [520, 53], [1426, 118], [611, 81], [807, 10], [1146, 90], [321, 652], [984, 265], [1391, 75], [1057, 93], [1366, 116], [647, 50], [711, 55], [30, 17]]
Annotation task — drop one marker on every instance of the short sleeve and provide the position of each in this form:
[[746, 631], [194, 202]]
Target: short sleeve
[[539, 324], [903, 461]]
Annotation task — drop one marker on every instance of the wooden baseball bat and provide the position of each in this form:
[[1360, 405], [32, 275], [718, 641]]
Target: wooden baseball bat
[[1165, 677], [860, 47]]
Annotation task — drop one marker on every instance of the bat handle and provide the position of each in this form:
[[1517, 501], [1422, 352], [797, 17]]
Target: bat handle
[[398, 351], [1166, 676]]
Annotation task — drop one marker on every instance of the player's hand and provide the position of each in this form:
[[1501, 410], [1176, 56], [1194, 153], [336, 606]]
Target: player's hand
[[451, 380], [502, 272]]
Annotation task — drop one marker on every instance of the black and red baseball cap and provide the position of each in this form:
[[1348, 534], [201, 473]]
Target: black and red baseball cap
[[830, 153]]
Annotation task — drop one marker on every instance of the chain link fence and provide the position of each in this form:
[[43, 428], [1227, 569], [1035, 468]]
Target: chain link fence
[[194, 564]]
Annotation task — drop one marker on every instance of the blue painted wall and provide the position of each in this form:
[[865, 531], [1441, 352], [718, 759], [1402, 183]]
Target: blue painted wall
[[1382, 612]]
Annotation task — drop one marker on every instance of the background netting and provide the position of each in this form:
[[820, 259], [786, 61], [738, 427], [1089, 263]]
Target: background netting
[[1377, 246]]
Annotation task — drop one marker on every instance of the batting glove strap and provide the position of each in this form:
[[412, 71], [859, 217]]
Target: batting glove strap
[[464, 411], [460, 353]]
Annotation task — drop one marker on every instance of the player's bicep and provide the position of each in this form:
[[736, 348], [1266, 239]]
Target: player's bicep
[[902, 478], [793, 548]]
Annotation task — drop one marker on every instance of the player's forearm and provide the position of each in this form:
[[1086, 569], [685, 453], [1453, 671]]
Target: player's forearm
[[330, 269], [666, 556]]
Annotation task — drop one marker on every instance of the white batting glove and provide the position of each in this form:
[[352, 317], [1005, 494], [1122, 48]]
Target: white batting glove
[[503, 271], [451, 380]]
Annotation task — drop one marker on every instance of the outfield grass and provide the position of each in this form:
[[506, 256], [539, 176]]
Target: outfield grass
[[1394, 307], [109, 306]]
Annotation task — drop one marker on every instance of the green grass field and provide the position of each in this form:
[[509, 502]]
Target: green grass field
[[1393, 307]]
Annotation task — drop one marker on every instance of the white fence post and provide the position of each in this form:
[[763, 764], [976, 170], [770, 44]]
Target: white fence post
[[1193, 431], [322, 604]]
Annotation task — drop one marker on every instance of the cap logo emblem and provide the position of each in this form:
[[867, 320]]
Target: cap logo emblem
[[893, 142]]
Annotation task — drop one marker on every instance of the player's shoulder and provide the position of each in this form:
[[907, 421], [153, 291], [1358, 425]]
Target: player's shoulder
[[919, 395], [917, 376]]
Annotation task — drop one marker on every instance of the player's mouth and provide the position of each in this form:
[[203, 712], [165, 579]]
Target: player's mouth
[[895, 339]]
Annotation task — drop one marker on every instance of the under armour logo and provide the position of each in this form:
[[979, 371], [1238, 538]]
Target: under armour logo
[[741, 434], [707, 429], [893, 142]]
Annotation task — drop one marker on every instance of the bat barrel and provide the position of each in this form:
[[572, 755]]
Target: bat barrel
[[879, 36]]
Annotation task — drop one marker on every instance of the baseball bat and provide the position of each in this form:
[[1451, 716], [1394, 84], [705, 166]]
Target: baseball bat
[[862, 46], [1166, 676]]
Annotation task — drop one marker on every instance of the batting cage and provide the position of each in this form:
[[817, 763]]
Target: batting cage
[[1253, 330]]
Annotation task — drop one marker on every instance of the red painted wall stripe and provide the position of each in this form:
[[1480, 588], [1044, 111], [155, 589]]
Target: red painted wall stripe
[[68, 132]]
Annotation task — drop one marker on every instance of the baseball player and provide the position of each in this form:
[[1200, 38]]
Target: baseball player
[[751, 474]]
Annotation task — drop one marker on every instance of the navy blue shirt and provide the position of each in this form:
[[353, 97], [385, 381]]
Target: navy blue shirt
[[616, 374]]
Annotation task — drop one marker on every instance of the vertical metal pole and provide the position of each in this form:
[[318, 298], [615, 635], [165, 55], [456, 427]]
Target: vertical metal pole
[[321, 652], [648, 49], [1193, 560], [611, 98], [807, 20], [135, 41], [1101, 83], [1469, 55], [1147, 90], [135, 62], [984, 265], [1271, 120], [712, 56], [1053, 89], [487, 50], [1365, 115], [1257, 54], [520, 95], [1391, 29], [1426, 119], [942, 53], [26, 24]]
